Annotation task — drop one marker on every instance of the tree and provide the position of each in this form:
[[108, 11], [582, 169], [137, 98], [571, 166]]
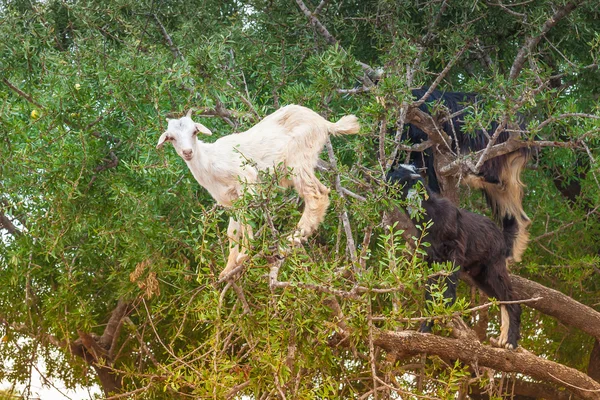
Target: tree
[[110, 251]]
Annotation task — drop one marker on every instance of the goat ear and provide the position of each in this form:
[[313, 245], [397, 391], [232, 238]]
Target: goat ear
[[202, 129], [161, 140]]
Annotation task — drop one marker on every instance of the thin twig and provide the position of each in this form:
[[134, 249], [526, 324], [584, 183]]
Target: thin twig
[[566, 115], [459, 313], [441, 76], [530, 43], [176, 53], [240, 293], [565, 225], [21, 93], [344, 215]]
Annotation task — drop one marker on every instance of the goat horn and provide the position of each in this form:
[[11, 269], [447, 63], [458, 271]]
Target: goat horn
[[189, 113]]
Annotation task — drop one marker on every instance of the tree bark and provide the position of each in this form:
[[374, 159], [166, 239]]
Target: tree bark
[[467, 349], [593, 369], [98, 351], [524, 391], [560, 306]]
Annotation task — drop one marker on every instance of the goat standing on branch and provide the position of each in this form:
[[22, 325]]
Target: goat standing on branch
[[471, 241], [499, 178], [292, 137]]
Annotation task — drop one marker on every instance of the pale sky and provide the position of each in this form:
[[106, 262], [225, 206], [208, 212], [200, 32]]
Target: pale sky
[[47, 392]]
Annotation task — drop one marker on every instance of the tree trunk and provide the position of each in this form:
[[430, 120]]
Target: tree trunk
[[593, 369]]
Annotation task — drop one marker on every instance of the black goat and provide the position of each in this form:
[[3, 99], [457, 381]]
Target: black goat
[[499, 177], [469, 240]]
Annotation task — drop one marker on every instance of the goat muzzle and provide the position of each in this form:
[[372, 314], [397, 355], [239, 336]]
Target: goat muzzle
[[187, 154]]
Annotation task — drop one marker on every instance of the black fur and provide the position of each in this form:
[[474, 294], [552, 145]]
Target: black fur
[[469, 240], [454, 102]]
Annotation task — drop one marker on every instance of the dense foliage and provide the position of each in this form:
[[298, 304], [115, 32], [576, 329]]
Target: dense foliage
[[97, 223]]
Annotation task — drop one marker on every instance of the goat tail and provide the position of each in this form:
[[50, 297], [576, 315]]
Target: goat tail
[[347, 125]]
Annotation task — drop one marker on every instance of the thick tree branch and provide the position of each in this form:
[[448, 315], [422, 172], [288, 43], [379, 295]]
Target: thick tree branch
[[470, 351], [593, 369], [93, 349], [558, 305], [97, 350], [110, 334], [427, 124], [7, 224], [466, 163]]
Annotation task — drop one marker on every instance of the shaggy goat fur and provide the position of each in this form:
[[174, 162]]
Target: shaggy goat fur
[[468, 240], [499, 177], [292, 137]]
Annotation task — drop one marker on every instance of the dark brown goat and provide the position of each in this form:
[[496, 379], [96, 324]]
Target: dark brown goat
[[500, 177], [468, 240]]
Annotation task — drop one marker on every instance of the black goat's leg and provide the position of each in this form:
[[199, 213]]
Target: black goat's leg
[[495, 282]]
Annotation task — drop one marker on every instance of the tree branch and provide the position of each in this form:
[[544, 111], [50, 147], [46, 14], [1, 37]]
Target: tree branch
[[331, 40], [558, 305], [110, 334], [21, 93], [520, 387], [534, 40], [427, 124], [320, 7], [176, 53], [470, 351], [495, 151], [7, 224], [441, 76], [316, 23], [345, 219]]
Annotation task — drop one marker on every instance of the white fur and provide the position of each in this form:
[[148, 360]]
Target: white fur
[[291, 137]]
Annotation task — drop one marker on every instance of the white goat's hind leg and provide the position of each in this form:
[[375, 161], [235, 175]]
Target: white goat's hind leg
[[239, 235], [316, 201]]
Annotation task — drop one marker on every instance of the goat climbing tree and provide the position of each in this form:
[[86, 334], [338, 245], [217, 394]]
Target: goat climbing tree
[[110, 252]]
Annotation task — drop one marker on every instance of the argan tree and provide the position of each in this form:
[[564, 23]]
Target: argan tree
[[110, 251]]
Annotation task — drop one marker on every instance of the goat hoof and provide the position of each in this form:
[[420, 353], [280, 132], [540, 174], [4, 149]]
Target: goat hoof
[[502, 343], [296, 239]]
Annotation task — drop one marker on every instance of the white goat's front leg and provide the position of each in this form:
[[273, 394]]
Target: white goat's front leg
[[316, 201], [239, 235]]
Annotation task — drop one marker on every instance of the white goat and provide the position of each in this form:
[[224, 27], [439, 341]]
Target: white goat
[[291, 137]]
